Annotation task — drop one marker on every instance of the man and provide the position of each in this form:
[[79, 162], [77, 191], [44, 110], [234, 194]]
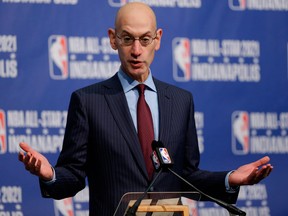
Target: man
[[101, 141]]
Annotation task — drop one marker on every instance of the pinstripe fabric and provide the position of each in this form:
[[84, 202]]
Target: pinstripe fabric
[[101, 143]]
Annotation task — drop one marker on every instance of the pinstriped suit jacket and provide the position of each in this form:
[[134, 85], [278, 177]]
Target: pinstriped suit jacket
[[101, 143]]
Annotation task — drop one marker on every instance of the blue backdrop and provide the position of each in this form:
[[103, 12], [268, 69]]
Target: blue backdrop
[[231, 54]]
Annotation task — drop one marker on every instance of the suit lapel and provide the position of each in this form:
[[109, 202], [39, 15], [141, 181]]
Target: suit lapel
[[119, 108], [165, 111]]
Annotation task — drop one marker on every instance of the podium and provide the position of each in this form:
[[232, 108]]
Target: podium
[[158, 203]]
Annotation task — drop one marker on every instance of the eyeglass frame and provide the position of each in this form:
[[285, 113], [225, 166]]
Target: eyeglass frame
[[135, 38]]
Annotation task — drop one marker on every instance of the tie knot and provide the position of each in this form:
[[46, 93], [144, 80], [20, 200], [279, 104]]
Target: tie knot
[[141, 88]]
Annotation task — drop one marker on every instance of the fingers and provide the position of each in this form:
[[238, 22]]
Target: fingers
[[262, 161], [265, 171], [21, 156], [269, 170], [31, 163], [25, 147], [262, 173], [35, 169]]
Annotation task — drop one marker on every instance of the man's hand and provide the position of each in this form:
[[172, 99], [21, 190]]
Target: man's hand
[[35, 162], [251, 173]]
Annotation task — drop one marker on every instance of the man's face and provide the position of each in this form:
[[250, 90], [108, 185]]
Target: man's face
[[135, 58]]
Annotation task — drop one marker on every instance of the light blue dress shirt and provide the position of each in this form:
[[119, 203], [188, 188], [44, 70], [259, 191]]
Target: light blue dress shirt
[[132, 95]]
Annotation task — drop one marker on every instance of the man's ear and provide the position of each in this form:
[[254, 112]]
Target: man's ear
[[112, 36], [158, 39]]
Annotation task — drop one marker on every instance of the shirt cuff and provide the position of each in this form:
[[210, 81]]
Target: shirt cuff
[[230, 189], [52, 180]]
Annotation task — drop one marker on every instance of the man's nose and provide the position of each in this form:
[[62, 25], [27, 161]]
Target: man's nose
[[136, 48]]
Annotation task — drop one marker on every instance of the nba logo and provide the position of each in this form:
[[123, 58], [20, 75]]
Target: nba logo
[[64, 207], [165, 156], [192, 204], [237, 4], [3, 144], [117, 3], [155, 160], [181, 59], [240, 133], [58, 57]]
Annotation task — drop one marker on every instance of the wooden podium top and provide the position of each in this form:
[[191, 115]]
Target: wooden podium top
[[164, 208]]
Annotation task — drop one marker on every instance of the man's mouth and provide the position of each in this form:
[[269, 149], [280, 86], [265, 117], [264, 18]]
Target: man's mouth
[[135, 63]]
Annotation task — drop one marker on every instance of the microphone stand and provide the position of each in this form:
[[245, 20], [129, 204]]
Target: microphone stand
[[133, 209], [230, 208]]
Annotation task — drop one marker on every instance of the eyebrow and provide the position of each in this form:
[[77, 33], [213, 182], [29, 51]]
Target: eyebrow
[[146, 33]]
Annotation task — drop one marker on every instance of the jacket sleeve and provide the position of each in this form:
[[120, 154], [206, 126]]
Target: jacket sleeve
[[70, 169], [211, 183]]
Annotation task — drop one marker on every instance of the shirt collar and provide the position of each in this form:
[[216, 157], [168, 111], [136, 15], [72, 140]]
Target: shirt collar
[[128, 83]]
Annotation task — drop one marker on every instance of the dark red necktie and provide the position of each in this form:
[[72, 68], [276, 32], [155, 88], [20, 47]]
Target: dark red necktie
[[145, 129]]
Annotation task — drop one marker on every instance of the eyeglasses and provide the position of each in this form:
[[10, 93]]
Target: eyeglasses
[[128, 40]]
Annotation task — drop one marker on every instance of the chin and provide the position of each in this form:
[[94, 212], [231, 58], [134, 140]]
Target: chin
[[139, 75]]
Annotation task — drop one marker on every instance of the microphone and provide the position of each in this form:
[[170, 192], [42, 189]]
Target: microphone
[[162, 160], [160, 156]]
